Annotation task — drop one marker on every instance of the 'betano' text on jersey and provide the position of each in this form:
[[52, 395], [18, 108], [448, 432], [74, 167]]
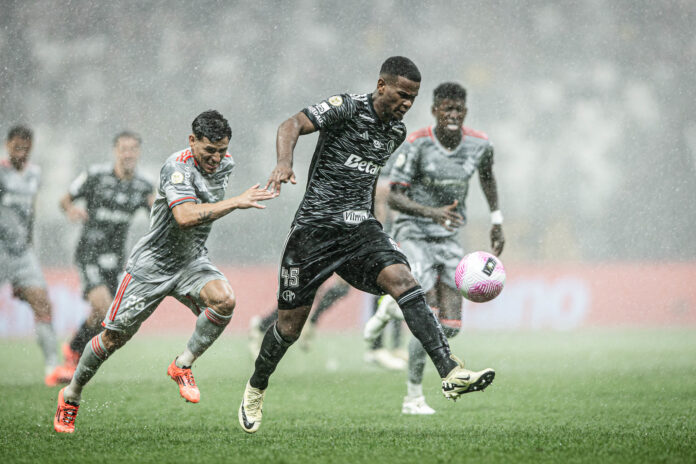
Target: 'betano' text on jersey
[[354, 144], [111, 203], [167, 248], [436, 177]]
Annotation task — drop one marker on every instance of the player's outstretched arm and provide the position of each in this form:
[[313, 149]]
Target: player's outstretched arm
[[447, 216], [286, 139], [74, 213], [490, 191], [191, 214]]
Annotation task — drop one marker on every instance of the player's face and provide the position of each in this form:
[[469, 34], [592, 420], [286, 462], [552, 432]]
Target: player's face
[[127, 152], [208, 154], [450, 114], [18, 150], [397, 96]]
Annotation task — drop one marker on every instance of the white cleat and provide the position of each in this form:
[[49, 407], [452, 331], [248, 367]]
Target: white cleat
[[416, 406], [385, 359], [251, 409], [460, 381], [387, 310], [255, 336]]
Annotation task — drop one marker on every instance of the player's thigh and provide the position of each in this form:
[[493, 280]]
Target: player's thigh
[[194, 278], [99, 298], [374, 251], [134, 302], [310, 257], [423, 261], [25, 271]]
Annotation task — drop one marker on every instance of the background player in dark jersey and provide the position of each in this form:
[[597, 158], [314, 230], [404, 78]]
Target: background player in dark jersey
[[19, 184], [430, 183], [172, 260], [335, 229], [112, 194]]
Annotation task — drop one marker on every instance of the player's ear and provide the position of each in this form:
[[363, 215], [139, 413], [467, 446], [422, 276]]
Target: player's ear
[[381, 84], [192, 139]]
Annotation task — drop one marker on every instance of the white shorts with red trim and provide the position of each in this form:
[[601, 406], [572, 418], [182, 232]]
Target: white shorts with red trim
[[135, 300]]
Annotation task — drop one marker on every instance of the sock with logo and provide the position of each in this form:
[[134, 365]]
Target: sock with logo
[[425, 327], [209, 326], [273, 348], [93, 355]]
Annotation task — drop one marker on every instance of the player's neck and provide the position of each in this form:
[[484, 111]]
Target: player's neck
[[448, 139], [378, 107], [122, 173]]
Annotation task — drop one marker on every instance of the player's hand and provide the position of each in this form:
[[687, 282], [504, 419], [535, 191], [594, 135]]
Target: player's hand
[[447, 216], [497, 239], [76, 214], [280, 175], [251, 197]]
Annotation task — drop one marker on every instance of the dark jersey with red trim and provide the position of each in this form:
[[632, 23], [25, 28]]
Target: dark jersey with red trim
[[354, 144], [436, 176], [111, 203], [167, 248]]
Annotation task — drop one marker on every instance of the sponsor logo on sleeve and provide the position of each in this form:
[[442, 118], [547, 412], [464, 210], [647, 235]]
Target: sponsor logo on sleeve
[[336, 100], [323, 107], [177, 177]]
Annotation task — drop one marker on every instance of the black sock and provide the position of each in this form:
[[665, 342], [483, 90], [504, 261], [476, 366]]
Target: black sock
[[425, 327], [83, 335], [268, 321], [331, 296], [273, 348], [377, 342]]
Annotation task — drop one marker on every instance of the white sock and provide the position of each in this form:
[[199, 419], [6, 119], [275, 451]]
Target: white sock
[[185, 359], [47, 341], [414, 390]]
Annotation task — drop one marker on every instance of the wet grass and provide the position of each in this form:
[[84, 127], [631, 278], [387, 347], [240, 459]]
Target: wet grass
[[599, 396]]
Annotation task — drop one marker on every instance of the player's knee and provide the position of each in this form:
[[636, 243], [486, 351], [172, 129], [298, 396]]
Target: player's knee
[[450, 328], [114, 340], [396, 279], [226, 306], [289, 331]]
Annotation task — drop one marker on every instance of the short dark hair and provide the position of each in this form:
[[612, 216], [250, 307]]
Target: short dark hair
[[126, 134], [450, 90], [23, 132], [212, 125], [400, 66]]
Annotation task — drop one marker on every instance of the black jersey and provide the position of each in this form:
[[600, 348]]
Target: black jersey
[[111, 204], [354, 144]]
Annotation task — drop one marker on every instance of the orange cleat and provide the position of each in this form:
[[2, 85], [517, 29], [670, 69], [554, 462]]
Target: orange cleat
[[71, 357], [59, 375], [187, 385], [64, 422]]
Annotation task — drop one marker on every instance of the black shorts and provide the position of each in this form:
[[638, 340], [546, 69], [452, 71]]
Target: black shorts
[[93, 275], [313, 254]]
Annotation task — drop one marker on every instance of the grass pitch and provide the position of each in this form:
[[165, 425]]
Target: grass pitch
[[599, 396]]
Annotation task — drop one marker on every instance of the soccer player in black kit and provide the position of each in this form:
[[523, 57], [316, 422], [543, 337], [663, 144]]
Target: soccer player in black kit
[[335, 229]]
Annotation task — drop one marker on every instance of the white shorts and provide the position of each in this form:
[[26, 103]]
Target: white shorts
[[432, 260], [135, 301], [22, 271]]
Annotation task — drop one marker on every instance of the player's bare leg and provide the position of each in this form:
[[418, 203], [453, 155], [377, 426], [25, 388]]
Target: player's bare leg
[[398, 282], [37, 298], [276, 342], [218, 297]]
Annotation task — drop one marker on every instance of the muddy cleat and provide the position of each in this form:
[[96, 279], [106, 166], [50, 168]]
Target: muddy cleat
[[416, 406], [187, 385], [255, 336], [251, 409], [64, 422], [460, 380]]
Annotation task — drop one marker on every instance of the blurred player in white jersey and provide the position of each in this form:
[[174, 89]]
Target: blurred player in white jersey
[[172, 260], [429, 186], [112, 194], [19, 183]]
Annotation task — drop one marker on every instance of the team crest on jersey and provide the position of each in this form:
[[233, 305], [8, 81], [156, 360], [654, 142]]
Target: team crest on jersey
[[377, 143], [336, 100], [177, 177]]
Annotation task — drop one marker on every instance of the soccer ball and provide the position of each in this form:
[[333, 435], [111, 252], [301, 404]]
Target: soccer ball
[[480, 277]]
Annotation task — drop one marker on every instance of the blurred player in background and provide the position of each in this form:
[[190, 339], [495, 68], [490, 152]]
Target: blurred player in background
[[430, 182], [112, 194], [19, 184], [335, 229], [172, 260]]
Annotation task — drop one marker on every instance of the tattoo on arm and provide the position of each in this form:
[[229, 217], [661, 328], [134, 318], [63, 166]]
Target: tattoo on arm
[[205, 216]]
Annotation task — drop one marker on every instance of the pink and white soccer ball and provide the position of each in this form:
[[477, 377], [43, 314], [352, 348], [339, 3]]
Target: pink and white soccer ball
[[480, 276]]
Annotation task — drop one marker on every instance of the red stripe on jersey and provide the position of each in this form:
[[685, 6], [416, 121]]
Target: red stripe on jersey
[[117, 301], [181, 200], [424, 132], [227, 155], [468, 131]]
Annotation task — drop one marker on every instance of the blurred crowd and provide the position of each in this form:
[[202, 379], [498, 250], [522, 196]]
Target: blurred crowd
[[588, 103]]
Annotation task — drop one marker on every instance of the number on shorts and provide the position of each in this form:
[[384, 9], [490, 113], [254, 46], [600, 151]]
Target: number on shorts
[[291, 277]]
